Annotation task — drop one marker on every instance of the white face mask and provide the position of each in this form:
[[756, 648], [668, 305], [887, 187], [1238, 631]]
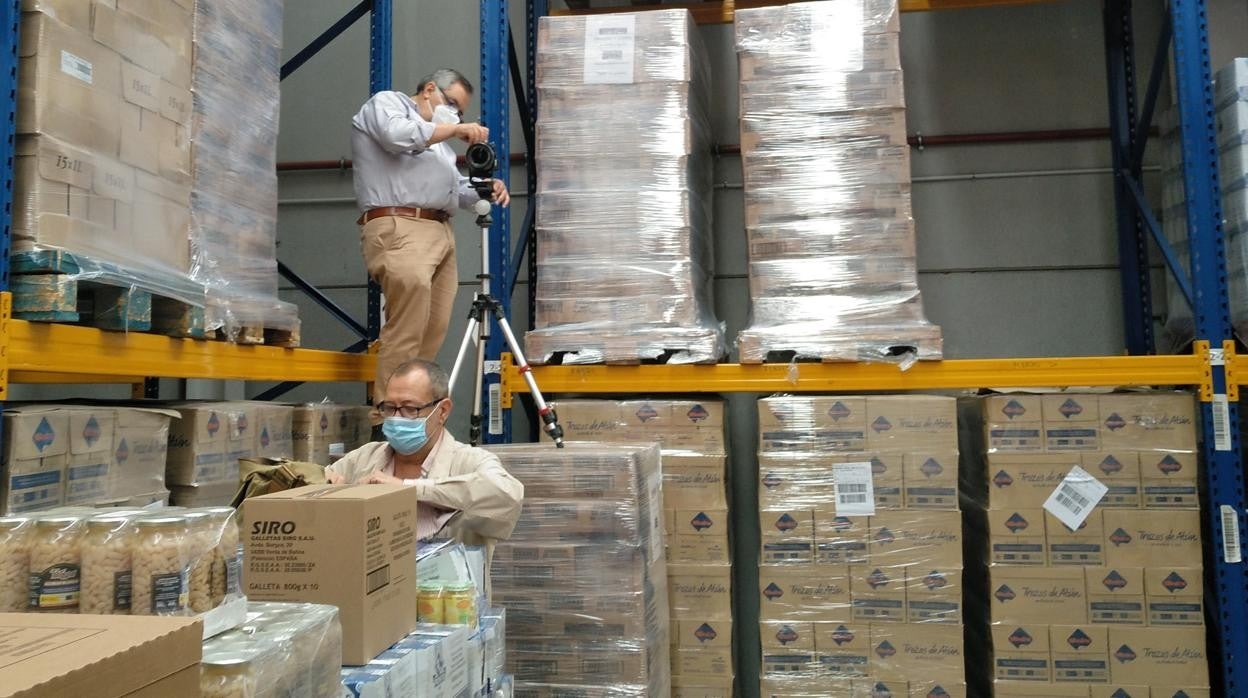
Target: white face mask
[[444, 114]]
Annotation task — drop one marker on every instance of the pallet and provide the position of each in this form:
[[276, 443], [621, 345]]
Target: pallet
[[922, 345], [253, 334], [557, 347], [56, 286]]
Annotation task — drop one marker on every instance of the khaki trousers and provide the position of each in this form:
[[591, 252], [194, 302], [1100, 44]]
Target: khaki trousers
[[413, 260]]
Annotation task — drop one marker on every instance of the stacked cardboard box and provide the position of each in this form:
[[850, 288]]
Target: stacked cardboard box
[[831, 238], [583, 577], [103, 160], [83, 455], [325, 429], [209, 439], [624, 243], [695, 502], [865, 601], [1116, 603], [234, 202]]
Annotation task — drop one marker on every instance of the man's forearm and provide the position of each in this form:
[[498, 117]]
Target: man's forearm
[[442, 132]]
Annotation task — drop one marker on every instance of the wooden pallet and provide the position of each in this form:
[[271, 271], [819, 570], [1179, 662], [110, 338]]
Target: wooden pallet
[[926, 346], [56, 286], [253, 334]]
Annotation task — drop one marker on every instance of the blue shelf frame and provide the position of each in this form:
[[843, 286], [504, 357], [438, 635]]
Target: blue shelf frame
[[496, 116]]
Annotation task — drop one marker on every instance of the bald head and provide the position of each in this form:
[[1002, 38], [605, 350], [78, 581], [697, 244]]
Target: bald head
[[429, 377]]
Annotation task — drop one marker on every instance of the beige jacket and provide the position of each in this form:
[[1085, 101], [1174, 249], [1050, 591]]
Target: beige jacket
[[457, 477]]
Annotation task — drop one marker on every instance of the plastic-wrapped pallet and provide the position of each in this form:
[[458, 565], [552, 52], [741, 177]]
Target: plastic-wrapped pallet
[[324, 431], [284, 649], [861, 580], [1093, 527], [624, 192], [827, 185], [101, 193], [583, 577], [234, 200]]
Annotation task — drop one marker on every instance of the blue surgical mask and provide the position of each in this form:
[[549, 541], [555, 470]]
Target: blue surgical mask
[[406, 436]]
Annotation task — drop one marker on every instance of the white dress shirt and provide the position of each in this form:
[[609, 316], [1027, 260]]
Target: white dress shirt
[[394, 164]]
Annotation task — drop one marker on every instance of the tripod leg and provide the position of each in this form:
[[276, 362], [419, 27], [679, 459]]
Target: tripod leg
[[478, 389], [470, 333], [550, 420]]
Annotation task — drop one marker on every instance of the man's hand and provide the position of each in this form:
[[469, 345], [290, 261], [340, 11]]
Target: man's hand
[[334, 478], [472, 132], [380, 478], [501, 197]]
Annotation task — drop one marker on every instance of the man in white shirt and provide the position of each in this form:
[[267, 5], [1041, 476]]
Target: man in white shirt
[[406, 185], [419, 452]]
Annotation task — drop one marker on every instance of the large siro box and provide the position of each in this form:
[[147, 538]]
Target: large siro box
[[99, 656], [350, 546], [1158, 656], [1037, 595], [1152, 538], [1174, 595], [1020, 652], [804, 593], [1080, 653], [1115, 595]]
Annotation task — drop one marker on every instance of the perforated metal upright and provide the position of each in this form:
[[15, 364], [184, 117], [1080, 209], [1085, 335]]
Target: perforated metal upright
[[495, 115], [10, 22], [380, 78]]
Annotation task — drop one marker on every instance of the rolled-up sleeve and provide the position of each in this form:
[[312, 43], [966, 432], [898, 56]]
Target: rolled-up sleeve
[[489, 497], [385, 118]]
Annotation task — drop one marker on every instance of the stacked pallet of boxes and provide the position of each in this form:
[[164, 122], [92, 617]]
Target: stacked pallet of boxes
[[234, 200], [827, 185], [209, 439], [583, 577], [83, 456], [102, 189], [695, 502], [856, 603], [1111, 606], [624, 191], [324, 430]]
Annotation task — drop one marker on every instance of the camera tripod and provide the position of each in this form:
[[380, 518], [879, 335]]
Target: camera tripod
[[484, 305]]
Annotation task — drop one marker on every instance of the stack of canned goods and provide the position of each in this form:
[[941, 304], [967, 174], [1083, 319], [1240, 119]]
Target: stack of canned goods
[[447, 603], [168, 561], [284, 649]]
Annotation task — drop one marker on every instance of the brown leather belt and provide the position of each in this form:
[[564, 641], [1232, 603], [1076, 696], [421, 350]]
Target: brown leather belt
[[429, 214]]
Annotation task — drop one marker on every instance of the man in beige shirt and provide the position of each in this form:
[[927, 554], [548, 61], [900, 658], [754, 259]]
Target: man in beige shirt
[[419, 452]]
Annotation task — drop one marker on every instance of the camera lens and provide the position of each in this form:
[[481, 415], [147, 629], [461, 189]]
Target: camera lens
[[480, 158]]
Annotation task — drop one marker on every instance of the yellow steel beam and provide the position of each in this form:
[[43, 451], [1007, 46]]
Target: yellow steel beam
[[722, 11], [66, 352], [1102, 371]]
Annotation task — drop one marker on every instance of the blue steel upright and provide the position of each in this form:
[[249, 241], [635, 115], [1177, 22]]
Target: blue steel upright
[[1227, 588], [495, 115], [10, 22], [534, 11], [380, 78]]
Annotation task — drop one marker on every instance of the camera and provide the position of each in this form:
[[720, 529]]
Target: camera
[[482, 163]]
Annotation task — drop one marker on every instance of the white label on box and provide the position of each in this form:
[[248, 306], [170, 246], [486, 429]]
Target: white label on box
[[1232, 553], [74, 66], [855, 490], [496, 409], [609, 46], [1075, 497], [1221, 409]]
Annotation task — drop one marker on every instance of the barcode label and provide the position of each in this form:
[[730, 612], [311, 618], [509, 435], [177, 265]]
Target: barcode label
[[855, 492], [496, 409], [78, 67], [609, 47], [1231, 552], [1075, 497], [1221, 423], [377, 579]]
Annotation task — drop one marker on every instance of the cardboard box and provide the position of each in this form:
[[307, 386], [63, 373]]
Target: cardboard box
[[1148, 421], [927, 650], [1019, 689], [92, 433], [1080, 653], [1168, 480], [701, 661], [316, 429], [98, 656], [1037, 594], [274, 431], [702, 687], [912, 423], [931, 480], [787, 481], [142, 42], [694, 591], [933, 595], [844, 649], [900, 538], [350, 546], [197, 446], [788, 551], [691, 482], [1025, 480], [812, 412], [709, 550], [1081, 548], [1152, 538], [1181, 692], [1174, 595], [841, 540], [790, 663], [922, 689], [36, 453], [789, 523], [1070, 422], [698, 523], [1115, 595], [1113, 690], [1120, 472], [139, 460], [1017, 537], [878, 593], [1158, 656], [716, 634], [1020, 652], [810, 593], [1014, 423], [781, 635]]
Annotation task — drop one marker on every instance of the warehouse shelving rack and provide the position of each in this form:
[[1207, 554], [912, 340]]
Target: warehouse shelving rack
[[1213, 368]]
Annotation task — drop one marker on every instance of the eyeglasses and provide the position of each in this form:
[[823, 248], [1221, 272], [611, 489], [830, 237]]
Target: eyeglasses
[[407, 411], [446, 99]]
